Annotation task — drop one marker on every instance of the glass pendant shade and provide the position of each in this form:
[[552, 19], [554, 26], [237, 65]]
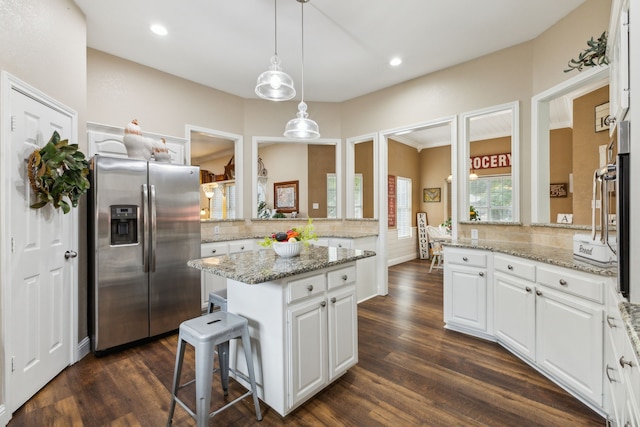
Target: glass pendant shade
[[302, 127], [274, 84]]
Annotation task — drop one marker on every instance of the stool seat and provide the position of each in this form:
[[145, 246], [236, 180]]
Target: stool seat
[[205, 333]]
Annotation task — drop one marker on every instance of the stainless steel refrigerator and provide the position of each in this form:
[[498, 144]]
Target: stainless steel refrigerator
[[144, 220]]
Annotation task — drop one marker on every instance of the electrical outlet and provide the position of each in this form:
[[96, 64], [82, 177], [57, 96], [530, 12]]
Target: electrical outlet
[[316, 206], [474, 234], [216, 229]]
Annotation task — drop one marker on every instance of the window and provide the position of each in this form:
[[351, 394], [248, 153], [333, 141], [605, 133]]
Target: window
[[332, 196], [403, 206], [224, 200], [357, 196], [491, 197]]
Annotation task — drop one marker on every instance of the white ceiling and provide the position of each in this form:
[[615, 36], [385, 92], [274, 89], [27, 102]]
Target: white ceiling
[[348, 44]]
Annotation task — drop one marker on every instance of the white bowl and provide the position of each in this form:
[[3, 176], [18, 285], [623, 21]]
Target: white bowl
[[287, 249]]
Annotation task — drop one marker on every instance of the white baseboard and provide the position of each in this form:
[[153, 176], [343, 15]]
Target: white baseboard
[[84, 348], [400, 260], [5, 416]]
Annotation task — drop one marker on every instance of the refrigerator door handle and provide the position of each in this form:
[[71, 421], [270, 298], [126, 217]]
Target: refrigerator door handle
[[153, 227], [145, 229]]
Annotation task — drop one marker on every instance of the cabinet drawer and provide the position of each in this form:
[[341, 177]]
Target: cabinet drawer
[[241, 246], [213, 249], [515, 267], [341, 277], [466, 257], [585, 286], [303, 288]]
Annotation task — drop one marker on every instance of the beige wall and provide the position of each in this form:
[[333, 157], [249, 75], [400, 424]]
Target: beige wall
[[404, 161], [321, 161], [586, 158], [435, 167], [364, 165], [560, 166]]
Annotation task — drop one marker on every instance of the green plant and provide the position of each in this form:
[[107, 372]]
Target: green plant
[[58, 171], [279, 215], [595, 54]]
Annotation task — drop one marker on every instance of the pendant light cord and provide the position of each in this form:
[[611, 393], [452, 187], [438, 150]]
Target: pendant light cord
[[302, 56], [275, 26]]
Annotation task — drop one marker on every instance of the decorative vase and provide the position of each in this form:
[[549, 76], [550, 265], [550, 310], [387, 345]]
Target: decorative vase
[[138, 146]]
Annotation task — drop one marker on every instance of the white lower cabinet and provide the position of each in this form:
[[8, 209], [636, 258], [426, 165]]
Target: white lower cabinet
[[515, 317], [550, 316], [465, 291], [569, 341], [304, 333], [622, 372]]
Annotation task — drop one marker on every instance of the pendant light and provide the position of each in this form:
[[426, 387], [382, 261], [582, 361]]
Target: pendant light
[[302, 127], [274, 84]]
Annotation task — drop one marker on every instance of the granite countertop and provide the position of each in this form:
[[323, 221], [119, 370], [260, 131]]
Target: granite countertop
[[546, 254], [230, 237], [264, 265]]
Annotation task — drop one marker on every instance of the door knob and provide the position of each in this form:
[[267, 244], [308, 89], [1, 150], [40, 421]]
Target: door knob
[[70, 254]]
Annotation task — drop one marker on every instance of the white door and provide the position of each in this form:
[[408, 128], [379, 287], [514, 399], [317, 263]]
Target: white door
[[39, 330]]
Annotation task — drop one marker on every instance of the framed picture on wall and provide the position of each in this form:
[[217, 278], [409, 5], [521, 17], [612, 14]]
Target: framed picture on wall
[[558, 190], [285, 195], [430, 195]]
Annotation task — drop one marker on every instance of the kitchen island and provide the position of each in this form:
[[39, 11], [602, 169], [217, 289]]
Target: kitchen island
[[302, 314]]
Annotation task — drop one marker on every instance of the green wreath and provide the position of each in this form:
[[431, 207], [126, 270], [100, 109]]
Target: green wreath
[[57, 171]]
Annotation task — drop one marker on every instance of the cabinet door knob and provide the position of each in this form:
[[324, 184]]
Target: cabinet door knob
[[339, 245], [481, 274], [623, 362], [213, 251], [344, 277], [510, 267], [563, 282], [323, 304], [464, 258], [333, 300], [528, 289], [310, 288], [539, 293], [242, 248], [611, 380], [610, 323]]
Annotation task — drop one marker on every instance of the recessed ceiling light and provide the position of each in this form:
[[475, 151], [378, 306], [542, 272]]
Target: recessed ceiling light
[[159, 30], [395, 62]]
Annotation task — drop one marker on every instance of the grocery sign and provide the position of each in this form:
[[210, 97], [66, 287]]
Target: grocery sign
[[491, 161]]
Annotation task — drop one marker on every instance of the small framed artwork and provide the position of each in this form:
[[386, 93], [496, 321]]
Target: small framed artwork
[[430, 195], [602, 117], [285, 195], [558, 190]]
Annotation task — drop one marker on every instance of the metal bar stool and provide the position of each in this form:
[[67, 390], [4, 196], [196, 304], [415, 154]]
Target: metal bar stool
[[218, 300], [205, 333]]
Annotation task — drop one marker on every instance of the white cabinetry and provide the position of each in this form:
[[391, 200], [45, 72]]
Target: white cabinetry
[[622, 375], [367, 282], [515, 304], [304, 332], [618, 54], [210, 282], [466, 296], [569, 341], [548, 315]]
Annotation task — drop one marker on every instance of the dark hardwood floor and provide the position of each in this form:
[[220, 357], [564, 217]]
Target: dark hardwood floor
[[411, 372]]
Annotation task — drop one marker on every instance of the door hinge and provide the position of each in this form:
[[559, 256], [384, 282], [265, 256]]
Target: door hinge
[[13, 123], [13, 244], [13, 363]]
